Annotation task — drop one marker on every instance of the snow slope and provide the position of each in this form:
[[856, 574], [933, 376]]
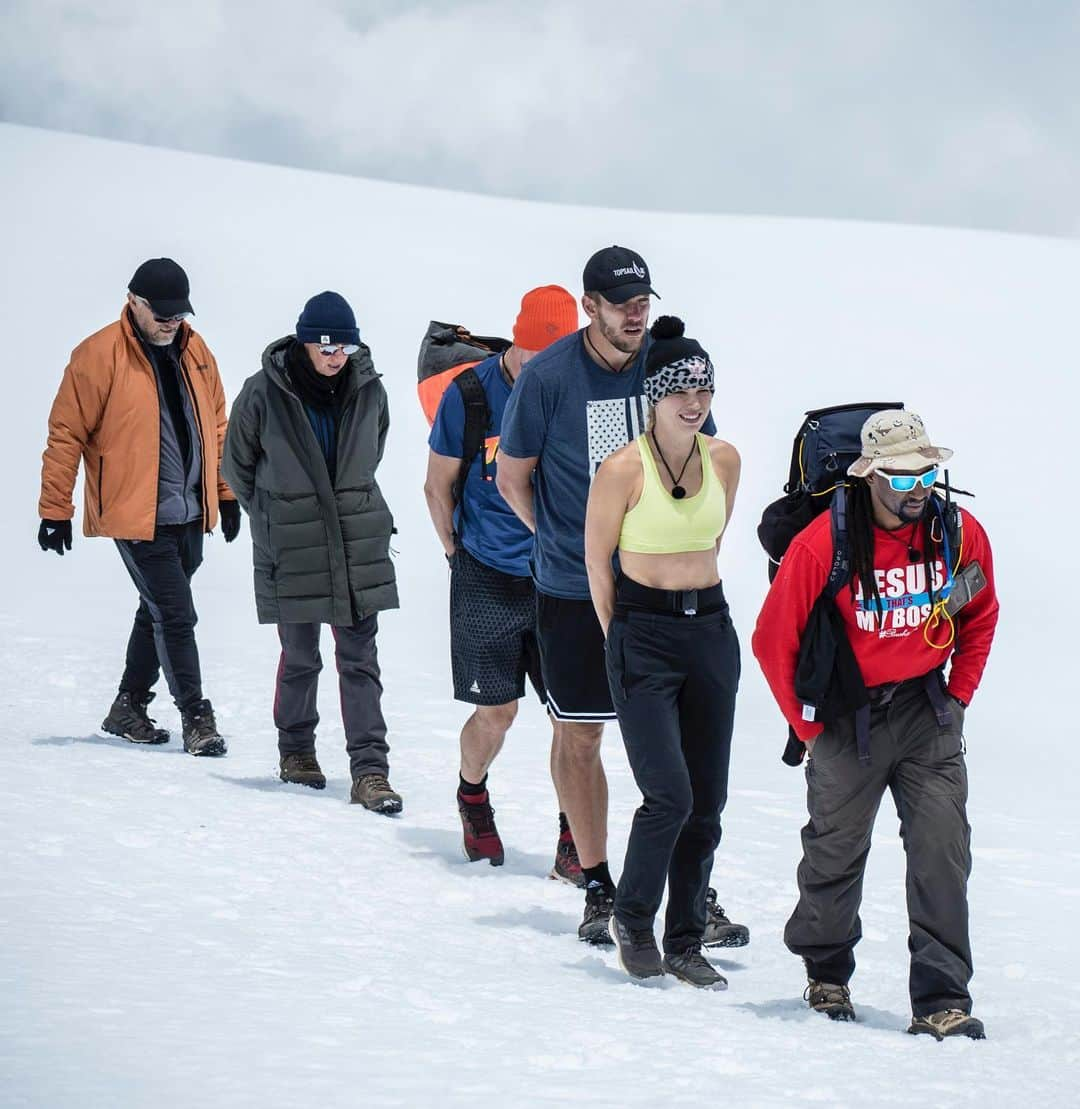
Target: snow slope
[[181, 932]]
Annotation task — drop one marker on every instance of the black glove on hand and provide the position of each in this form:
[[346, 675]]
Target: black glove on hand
[[230, 519], [55, 535]]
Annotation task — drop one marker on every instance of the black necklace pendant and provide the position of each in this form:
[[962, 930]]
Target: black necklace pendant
[[677, 491]]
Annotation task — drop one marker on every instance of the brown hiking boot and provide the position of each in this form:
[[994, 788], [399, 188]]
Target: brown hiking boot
[[303, 769], [831, 999], [374, 792], [949, 1022]]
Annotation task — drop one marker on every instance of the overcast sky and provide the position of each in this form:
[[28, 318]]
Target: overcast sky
[[958, 112]]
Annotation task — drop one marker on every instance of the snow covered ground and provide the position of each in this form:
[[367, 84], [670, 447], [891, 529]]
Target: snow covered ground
[[179, 932]]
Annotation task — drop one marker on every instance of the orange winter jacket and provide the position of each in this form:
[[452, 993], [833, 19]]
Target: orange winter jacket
[[106, 413]]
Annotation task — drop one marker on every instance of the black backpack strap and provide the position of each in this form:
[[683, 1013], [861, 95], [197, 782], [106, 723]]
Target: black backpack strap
[[840, 570], [477, 418]]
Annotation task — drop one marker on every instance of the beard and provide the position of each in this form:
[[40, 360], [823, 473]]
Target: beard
[[625, 344]]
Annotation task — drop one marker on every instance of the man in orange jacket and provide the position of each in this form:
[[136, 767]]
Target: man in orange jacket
[[141, 405]]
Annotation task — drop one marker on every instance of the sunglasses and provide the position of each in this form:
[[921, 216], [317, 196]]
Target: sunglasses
[[904, 483], [345, 348], [162, 319]]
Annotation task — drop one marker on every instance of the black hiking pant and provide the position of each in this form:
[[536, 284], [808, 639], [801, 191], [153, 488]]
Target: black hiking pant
[[295, 711], [673, 681], [922, 763], [163, 634]]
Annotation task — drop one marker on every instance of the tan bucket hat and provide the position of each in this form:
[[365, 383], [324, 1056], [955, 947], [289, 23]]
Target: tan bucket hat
[[895, 438]]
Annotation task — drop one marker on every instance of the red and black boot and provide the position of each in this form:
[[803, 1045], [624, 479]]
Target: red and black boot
[[567, 866], [478, 824]]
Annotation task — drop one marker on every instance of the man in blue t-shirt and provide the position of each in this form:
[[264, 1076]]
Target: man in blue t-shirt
[[583, 398], [493, 642]]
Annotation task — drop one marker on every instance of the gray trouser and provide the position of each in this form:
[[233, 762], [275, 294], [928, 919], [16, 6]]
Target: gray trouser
[[922, 763], [295, 711]]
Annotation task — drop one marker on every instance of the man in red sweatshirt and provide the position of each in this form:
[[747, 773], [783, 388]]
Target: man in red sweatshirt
[[902, 572]]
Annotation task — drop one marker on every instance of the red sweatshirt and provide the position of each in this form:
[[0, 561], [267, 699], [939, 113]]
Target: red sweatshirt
[[894, 652]]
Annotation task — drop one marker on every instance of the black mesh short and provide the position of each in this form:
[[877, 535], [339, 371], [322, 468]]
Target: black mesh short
[[492, 633], [572, 660]]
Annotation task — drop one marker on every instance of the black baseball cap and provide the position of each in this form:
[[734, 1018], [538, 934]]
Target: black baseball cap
[[164, 284], [618, 274]]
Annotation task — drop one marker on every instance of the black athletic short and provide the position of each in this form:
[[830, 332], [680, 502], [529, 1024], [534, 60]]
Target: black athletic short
[[572, 660], [492, 633]]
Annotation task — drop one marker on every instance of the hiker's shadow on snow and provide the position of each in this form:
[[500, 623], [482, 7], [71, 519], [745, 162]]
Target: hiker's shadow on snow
[[795, 1009], [273, 784], [102, 741], [444, 846], [595, 967], [544, 921]]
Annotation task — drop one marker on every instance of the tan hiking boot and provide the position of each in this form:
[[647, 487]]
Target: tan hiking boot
[[303, 769], [374, 792], [948, 1022], [831, 999]]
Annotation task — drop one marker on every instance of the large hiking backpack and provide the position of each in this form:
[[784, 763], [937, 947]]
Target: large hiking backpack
[[826, 444], [827, 677], [448, 354]]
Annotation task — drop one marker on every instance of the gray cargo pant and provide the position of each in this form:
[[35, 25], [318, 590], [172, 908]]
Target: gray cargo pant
[[922, 763], [295, 711]]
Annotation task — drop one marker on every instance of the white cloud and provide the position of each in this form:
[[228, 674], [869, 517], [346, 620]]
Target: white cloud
[[940, 113]]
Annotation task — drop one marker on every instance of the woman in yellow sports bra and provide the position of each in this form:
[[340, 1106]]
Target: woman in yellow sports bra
[[663, 502]]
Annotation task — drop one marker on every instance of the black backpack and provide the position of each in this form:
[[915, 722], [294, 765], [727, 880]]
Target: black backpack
[[826, 444], [448, 353]]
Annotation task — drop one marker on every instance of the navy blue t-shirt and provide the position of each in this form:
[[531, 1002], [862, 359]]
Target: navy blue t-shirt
[[570, 414], [488, 528]]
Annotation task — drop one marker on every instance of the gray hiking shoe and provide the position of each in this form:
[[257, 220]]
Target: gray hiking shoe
[[303, 769], [831, 999], [692, 967], [949, 1022], [201, 736], [128, 718], [599, 902], [719, 931], [374, 792], [636, 949]]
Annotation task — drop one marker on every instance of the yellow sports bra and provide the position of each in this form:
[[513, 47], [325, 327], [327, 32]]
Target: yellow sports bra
[[659, 524]]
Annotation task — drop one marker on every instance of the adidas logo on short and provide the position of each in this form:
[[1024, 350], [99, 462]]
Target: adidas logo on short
[[474, 688]]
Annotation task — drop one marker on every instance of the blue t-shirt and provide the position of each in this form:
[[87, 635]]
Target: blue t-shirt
[[488, 528], [570, 414]]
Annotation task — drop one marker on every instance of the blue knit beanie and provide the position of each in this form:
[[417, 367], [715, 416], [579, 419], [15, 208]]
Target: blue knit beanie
[[327, 318]]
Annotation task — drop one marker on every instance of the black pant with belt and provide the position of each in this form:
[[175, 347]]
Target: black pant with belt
[[163, 634], [673, 666]]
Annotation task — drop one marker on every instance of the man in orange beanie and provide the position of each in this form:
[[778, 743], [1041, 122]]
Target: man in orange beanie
[[492, 598]]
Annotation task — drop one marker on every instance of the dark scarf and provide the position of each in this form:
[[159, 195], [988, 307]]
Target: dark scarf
[[313, 387]]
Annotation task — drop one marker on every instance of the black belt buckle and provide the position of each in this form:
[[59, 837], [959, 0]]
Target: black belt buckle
[[686, 602]]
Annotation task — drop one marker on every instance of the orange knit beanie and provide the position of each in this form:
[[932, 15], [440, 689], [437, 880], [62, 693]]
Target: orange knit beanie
[[547, 313]]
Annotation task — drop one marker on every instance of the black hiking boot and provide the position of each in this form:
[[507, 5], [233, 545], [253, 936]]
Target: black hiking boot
[[128, 718], [693, 968], [719, 931], [636, 949], [303, 769], [374, 792], [949, 1022], [599, 901], [201, 736], [831, 999]]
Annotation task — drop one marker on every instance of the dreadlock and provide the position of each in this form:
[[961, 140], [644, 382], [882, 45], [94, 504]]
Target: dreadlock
[[860, 522]]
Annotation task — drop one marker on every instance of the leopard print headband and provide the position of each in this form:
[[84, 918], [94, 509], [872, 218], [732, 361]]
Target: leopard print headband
[[682, 376]]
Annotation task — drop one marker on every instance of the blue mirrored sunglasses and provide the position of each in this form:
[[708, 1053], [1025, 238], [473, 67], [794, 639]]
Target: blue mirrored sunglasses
[[333, 348], [904, 483]]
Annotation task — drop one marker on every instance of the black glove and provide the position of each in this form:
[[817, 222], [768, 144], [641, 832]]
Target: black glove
[[230, 520], [55, 535]]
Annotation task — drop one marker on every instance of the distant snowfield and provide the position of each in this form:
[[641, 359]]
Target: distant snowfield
[[177, 932]]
